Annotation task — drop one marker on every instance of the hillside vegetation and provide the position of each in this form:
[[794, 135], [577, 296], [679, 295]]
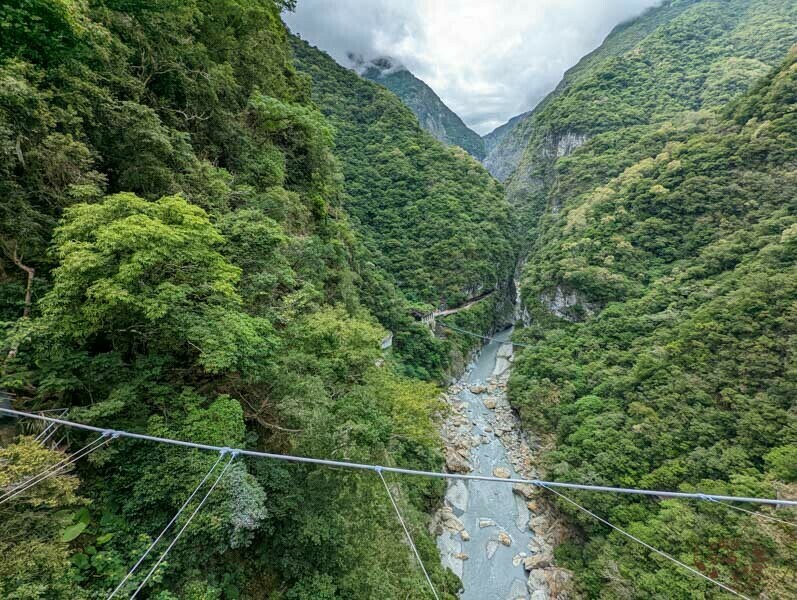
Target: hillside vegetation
[[208, 228], [173, 191], [436, 218], [660, 296], [682, 55]]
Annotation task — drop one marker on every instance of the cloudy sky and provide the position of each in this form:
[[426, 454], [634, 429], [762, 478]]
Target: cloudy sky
[[487, 59]]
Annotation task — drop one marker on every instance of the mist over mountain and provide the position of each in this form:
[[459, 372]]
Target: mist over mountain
[[433, 115], [488, 61]]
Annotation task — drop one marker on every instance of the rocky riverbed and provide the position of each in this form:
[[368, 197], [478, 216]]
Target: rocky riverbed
[[497, 537]]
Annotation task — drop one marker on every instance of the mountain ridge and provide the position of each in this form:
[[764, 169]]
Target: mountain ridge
[[405, 189], [506, 152], [433, 114]]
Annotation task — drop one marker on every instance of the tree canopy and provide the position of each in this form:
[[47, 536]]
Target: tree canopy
[[173, 196], [669, 364]]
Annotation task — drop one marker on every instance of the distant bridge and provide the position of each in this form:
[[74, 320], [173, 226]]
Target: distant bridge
[[429, 319]]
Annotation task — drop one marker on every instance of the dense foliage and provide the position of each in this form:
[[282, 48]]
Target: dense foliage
[[35, 536], [203, 236], [662, 294], [705, 55], [434, 216], [177, 260]]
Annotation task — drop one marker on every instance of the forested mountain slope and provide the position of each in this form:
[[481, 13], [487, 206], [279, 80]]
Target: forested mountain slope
[[435, 216], [682, 55], [505, 152], [662, 294], [171, 187], [433, 115]]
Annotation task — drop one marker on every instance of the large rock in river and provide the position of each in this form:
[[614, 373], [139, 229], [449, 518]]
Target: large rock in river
[[456, 463], [502, 472]]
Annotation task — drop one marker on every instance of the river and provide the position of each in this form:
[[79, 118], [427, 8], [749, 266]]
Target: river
[[485, 536]]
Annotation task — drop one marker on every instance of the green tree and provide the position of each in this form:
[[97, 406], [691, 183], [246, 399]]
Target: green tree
[[34, 525]]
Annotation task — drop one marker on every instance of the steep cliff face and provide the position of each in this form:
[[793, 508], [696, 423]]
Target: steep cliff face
[[638, 75], [433, 115], [492, 139], [658, 194], [501, 159], [507, 144], [662, 309]]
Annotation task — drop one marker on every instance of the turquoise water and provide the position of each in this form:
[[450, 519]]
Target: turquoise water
[[489, 572]]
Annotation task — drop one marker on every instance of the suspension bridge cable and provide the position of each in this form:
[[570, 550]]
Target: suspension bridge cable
[[483, 337], [165, 529], [46, 430], [233, 454], [53, 432], [648, 546], [52, 426], [436, 474], [58, 467], [407, 533], [751, 512]]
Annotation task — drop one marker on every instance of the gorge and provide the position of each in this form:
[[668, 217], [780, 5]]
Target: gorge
[[497, 538], [211, 231]]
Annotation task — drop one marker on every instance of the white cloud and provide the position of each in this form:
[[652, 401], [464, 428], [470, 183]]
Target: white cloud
[[487, 60]]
